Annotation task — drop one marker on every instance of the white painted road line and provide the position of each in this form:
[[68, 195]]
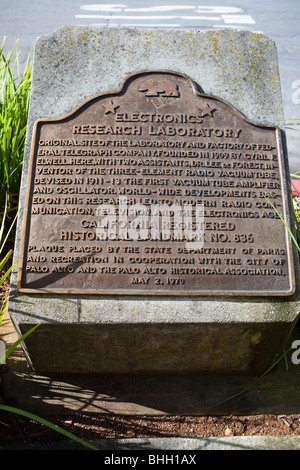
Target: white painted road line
[[238, 19], [162, 8], [218, 9], [126, 17], [201, 18], [229, 16], [120, 7], [148, 17], [141, 25], [104, 7]]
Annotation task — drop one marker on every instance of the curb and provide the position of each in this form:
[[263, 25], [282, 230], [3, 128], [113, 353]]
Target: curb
[[167, 444]]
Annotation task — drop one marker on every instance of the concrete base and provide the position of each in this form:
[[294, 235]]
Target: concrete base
[[224, 337], [151, 394], [146, 447]]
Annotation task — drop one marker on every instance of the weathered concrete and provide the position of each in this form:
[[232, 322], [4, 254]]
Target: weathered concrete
[[149, 447], [103, 334]]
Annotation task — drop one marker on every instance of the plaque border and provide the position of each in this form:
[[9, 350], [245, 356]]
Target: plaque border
[[166, 292]]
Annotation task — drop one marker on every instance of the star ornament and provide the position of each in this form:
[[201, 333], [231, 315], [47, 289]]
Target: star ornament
[[110, 107], [207, 111]]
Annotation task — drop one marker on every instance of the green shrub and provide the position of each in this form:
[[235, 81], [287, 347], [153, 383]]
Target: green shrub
[[14, 105]]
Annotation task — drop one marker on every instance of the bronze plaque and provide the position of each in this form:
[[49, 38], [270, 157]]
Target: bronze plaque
[[156, 189]]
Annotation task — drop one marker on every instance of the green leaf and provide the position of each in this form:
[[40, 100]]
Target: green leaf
[[5, 259], [7, 273], [16, 343], [47, 423], [3, 307], [296, 219], [286, 225], [253, 383]]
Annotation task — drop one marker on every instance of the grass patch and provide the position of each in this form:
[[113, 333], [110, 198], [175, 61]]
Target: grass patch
[[14, 105]]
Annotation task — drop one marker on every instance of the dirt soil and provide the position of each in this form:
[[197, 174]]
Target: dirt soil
[[98, 426]]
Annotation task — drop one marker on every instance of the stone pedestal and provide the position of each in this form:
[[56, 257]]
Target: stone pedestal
[[102, 333]]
